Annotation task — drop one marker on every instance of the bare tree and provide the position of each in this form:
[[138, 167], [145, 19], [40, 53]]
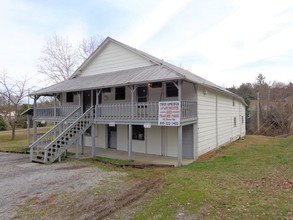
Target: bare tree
[[12, 92], [88, 46], [58, 60]]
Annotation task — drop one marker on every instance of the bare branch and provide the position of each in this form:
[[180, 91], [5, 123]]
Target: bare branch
[[88, 46], [58, 60]]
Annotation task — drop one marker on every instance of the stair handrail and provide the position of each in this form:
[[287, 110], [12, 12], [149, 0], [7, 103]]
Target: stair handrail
[[53, 128], [65, 131]]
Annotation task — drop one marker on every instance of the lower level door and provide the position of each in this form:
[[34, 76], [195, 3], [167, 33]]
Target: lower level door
[[112, 137], [187, 142]]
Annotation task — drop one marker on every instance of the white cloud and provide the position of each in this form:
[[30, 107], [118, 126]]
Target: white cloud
[[241, 38], [153, 22]]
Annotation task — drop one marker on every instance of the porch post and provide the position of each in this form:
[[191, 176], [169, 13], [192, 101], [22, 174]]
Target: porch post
[[179, 129], [55, 115], [132, 90], [82, 136], [130, 142], [28, 129], [179, 132], [93, 140], [34, 121], [98, 91], [77, 148]]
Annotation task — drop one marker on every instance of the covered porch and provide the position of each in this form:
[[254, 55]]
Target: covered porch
[[138, 158]]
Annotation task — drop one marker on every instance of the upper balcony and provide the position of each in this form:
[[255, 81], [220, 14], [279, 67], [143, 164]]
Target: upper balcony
[[123, 113]]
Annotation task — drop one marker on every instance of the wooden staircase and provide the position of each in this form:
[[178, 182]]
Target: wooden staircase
[[56, 141]]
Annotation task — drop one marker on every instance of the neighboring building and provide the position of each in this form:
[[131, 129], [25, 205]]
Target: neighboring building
[[125, 99]]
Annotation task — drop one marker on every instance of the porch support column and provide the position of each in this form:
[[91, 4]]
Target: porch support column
[[34, 121], [55, 114], [98, 92], [77, 148], [28, 129], [179, 129], [129, 142], [179, 132], [93, 140], [132, 89], [82, 138]]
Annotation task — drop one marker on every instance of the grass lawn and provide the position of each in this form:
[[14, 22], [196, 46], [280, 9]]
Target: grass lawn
[[250, 179], [19, 145]]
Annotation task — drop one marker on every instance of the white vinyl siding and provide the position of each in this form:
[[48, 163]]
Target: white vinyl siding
[[114, 58], [171, 142], [153, 136], [216, 114], [206, 120], [122, 137]]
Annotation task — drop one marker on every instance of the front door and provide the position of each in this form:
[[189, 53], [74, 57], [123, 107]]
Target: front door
[[142, 94], [187, 142], [87, 100], [112, 137]]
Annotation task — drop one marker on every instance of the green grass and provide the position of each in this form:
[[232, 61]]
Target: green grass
[[19, 145], [113, 161], [249, 179]]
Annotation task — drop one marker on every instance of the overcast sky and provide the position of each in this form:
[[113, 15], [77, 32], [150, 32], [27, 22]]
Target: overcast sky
[[225, 41]]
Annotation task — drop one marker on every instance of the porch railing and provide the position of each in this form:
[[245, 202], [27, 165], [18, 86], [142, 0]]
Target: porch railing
[[141, 111], [58, 112]]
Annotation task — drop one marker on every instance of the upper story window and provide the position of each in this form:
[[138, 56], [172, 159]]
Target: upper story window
[[120, 93], [156, 85], [171, 90], [69, 97]]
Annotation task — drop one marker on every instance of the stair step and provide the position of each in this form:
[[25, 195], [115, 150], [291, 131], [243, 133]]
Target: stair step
[[37, 160]]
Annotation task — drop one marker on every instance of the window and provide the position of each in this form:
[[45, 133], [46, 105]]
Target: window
[[120, 93], [156, 85], [69, 97], [235, 124], [171, 90], [142, 93], [137, 132]]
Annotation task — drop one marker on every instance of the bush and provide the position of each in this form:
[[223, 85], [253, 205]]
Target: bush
[[3, 125]]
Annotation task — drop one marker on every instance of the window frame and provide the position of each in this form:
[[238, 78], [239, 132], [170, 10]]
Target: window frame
[[120, 95], [69, 97], [138, 132], [171, 90]]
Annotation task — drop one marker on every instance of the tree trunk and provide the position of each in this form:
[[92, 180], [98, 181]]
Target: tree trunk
[[13, 132]]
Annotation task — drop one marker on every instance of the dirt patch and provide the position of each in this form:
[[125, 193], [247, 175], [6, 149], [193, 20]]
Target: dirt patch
[[39, 186], [277, 181], [102, 203]]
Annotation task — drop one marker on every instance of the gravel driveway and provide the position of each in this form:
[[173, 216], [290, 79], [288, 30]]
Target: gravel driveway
[[21, 180]]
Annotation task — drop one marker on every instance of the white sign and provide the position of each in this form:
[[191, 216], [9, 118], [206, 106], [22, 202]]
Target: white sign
[[169, 113]]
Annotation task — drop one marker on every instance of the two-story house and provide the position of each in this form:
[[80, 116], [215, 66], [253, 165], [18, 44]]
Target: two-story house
[[125, 99]]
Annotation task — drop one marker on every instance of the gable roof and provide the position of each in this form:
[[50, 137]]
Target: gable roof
[[159, 71]]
